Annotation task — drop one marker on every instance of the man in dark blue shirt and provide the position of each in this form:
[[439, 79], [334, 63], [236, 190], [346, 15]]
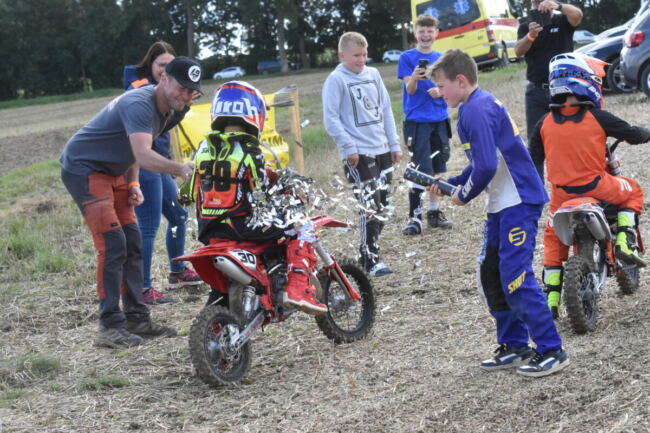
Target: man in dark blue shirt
[[547, 32]]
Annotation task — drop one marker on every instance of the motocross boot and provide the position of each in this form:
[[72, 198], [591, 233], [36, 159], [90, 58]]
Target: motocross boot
[[553, 283], [626, 247], [300, 294]]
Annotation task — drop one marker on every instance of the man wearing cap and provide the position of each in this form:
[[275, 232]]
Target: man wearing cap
[[100, 165]]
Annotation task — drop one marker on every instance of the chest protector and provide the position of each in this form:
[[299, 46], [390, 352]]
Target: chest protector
[[228, 166]]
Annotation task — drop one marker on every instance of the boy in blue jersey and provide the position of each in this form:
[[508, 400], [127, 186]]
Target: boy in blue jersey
[[501, 166], [426, 126]]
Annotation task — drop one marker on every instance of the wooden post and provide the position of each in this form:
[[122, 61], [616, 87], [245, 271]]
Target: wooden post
[[296, 132]]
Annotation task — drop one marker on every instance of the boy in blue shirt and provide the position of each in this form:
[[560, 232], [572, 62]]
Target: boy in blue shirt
[[501, 166], [426, 126]]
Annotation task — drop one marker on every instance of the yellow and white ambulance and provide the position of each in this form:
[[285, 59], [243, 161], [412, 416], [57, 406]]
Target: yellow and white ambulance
[[486, 29]]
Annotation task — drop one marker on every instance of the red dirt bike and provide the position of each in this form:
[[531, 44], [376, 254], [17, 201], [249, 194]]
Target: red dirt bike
[[589, 226], [248, 281]]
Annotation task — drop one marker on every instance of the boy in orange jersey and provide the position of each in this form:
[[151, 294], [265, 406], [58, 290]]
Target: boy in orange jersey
[[572, 139]]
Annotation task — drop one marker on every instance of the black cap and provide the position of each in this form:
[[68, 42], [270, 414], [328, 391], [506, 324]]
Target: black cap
[[186, 71]]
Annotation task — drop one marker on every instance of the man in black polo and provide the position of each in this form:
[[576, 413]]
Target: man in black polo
[[547, 32]]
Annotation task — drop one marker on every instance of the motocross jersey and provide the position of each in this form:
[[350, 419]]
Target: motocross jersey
[[227, 169], [572, 140]]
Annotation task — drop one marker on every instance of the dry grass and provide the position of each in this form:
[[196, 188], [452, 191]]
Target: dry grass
[[417, 372]]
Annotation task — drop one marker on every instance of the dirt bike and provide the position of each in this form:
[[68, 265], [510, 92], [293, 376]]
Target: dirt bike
[[589, 227], [248, 281]]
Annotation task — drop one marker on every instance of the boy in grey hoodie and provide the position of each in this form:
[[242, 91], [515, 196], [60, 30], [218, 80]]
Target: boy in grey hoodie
[[358, 117]]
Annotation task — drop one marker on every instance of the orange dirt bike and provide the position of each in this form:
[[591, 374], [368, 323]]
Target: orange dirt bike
[[589, 227], [248, 281]]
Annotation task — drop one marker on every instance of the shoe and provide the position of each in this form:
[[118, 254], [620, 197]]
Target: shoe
[[299, 293], [182, 279], [437, 219], [147, 328], [508, 357], [626, 248], [543, 365], [152, 296], [414, 227], [553, 300], [379, 270], [116, 338]]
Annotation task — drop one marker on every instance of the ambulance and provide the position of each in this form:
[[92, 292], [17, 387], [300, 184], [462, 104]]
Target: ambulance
[[485, 29]]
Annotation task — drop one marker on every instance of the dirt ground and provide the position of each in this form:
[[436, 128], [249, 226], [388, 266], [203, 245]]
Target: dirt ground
[[416, 372]]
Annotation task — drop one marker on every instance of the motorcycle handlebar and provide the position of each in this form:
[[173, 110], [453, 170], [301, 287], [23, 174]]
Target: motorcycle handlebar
[[614, 145]]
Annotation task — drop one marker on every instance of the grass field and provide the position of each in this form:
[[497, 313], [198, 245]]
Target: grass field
[[417, 371]]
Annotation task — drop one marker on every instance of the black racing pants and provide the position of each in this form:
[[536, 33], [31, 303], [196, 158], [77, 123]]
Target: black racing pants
[[372, 192], [103, 201]]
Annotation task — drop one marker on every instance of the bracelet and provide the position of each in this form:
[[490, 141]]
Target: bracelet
[[132, 184], [530, 38]]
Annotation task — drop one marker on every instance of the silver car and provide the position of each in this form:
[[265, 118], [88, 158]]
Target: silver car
[[635, 56]]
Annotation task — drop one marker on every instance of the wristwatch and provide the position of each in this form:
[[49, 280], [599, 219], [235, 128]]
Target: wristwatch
[[559, 6]]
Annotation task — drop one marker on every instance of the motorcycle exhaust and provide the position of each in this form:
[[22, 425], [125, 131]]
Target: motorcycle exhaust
[[594, 225], [229, 268]]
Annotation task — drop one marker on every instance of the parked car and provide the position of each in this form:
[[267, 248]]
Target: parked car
[[635, 56], [583, 37], [609, 50], [391, 56], [271, 66], [614, 31], [231, 72]]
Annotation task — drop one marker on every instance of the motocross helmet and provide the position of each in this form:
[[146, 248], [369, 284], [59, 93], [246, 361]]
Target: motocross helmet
[[576, 74], [239, 103]]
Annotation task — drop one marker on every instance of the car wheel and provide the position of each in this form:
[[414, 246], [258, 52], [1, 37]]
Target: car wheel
[[237, 75], [615, 78], [505, 59], [645, 80], [386, 60]]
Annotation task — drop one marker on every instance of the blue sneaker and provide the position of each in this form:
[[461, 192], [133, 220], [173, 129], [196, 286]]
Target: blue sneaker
[[379, 270], [543, 365], [508, 357]]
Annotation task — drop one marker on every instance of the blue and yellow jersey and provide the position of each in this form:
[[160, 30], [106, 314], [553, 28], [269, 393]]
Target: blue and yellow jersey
[[499, 160]]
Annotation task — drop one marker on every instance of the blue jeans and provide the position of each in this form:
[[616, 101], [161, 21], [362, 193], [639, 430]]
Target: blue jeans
[[160, 192]]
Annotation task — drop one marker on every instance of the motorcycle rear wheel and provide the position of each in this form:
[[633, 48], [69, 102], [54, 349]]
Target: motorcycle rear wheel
[[215, 362], [628, 279], [580, 300], [346, 320]]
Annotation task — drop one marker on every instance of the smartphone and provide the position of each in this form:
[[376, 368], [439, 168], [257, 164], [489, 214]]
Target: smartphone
[[543, 19], [423, 63]]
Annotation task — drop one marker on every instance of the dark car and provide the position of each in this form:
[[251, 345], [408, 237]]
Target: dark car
[[271, 66], [609, 50], [635, 56]]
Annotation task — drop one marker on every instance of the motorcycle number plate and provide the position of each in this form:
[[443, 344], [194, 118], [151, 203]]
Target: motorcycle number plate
[[247, 258]]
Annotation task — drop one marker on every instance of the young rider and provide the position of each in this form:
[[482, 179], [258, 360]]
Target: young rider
[[229, 166], [572, 139]]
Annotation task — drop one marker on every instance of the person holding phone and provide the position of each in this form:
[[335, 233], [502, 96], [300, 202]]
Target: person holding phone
[[426, 126], [547, 33]]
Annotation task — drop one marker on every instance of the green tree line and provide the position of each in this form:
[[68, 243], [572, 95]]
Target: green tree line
[[65, 46]]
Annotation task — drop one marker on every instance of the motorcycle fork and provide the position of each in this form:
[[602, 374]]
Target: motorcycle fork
[[335, 272]]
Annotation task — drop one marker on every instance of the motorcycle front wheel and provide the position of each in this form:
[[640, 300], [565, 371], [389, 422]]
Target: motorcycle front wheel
[[216, 359], [579, 295], [346, 320]]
